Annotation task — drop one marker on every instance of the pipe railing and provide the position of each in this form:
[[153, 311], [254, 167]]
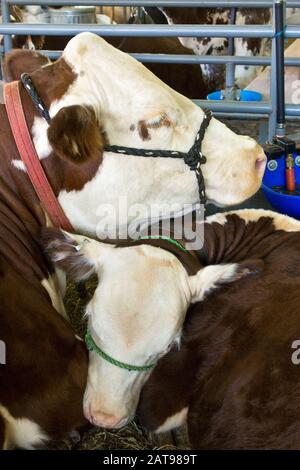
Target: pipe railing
[[145, 30], [160, 3], [197, 59], [248, 109]]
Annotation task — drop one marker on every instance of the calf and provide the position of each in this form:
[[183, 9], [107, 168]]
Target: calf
[[136, 312], [238, 388]]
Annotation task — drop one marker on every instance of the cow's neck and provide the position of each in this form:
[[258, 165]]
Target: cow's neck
[[21, 213], [51, 83], [19, 236], [236, 240]]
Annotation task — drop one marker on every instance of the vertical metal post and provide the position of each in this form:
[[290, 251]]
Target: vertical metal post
[[279, 37], [230, 68], [125, 19], [7, 41], [273, 83], [277, 91]]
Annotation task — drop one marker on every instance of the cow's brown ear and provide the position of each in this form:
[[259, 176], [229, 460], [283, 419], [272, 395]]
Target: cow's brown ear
[[22, 61], [75, 134], [67, 253]]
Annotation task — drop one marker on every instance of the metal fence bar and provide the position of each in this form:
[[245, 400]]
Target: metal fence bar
[[157, 30], [6, 19], [160, 3], [259, 108], [247, 31], [251, 117], [194, 59], [247, 109]]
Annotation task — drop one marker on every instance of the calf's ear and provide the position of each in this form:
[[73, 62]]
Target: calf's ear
[[213, 276], [76, 255], [75, 134], [22, 61]]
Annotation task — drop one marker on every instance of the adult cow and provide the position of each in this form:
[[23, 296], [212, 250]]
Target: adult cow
[[215, 74], [239, 383], [225, 348], [117, 100]]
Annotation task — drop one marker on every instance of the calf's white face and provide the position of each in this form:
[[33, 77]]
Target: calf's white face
[[136, 109], [135, 315]]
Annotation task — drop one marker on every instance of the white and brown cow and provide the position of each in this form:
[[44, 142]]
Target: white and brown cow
[[136, 312], [43, 367], [144, 291], [215, 74], [117, 100]]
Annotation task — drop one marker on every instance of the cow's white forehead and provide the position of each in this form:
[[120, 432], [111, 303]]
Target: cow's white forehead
[[122, 79], [142, 290], [136, 272]]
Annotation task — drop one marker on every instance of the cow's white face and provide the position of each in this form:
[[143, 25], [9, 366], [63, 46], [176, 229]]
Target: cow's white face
[[137, 110], [135, 315], [31, 13]]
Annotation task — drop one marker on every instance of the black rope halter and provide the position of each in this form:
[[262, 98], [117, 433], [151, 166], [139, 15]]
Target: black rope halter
[[193, 158]]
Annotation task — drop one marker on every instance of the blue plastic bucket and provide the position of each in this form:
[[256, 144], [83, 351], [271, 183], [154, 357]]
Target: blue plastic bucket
[[275, 176], [246, 95], [283, 203]]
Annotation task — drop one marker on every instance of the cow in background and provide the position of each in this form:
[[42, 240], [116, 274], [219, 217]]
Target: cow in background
[[214, 74], [292, 78], [186, 79]]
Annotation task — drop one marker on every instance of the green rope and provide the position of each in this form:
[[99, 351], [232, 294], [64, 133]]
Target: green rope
[[163, 237], [92, 346]]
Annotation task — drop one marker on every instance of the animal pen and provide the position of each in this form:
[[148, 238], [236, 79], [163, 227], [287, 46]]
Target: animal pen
[[239, 110], [276, 32]]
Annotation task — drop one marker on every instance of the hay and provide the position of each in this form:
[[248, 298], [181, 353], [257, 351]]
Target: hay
[[131, 437]]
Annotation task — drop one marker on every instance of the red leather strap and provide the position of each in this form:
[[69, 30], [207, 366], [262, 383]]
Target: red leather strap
[[30, 158]]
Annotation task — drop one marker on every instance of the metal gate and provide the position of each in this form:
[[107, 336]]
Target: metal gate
[[239, 110]]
